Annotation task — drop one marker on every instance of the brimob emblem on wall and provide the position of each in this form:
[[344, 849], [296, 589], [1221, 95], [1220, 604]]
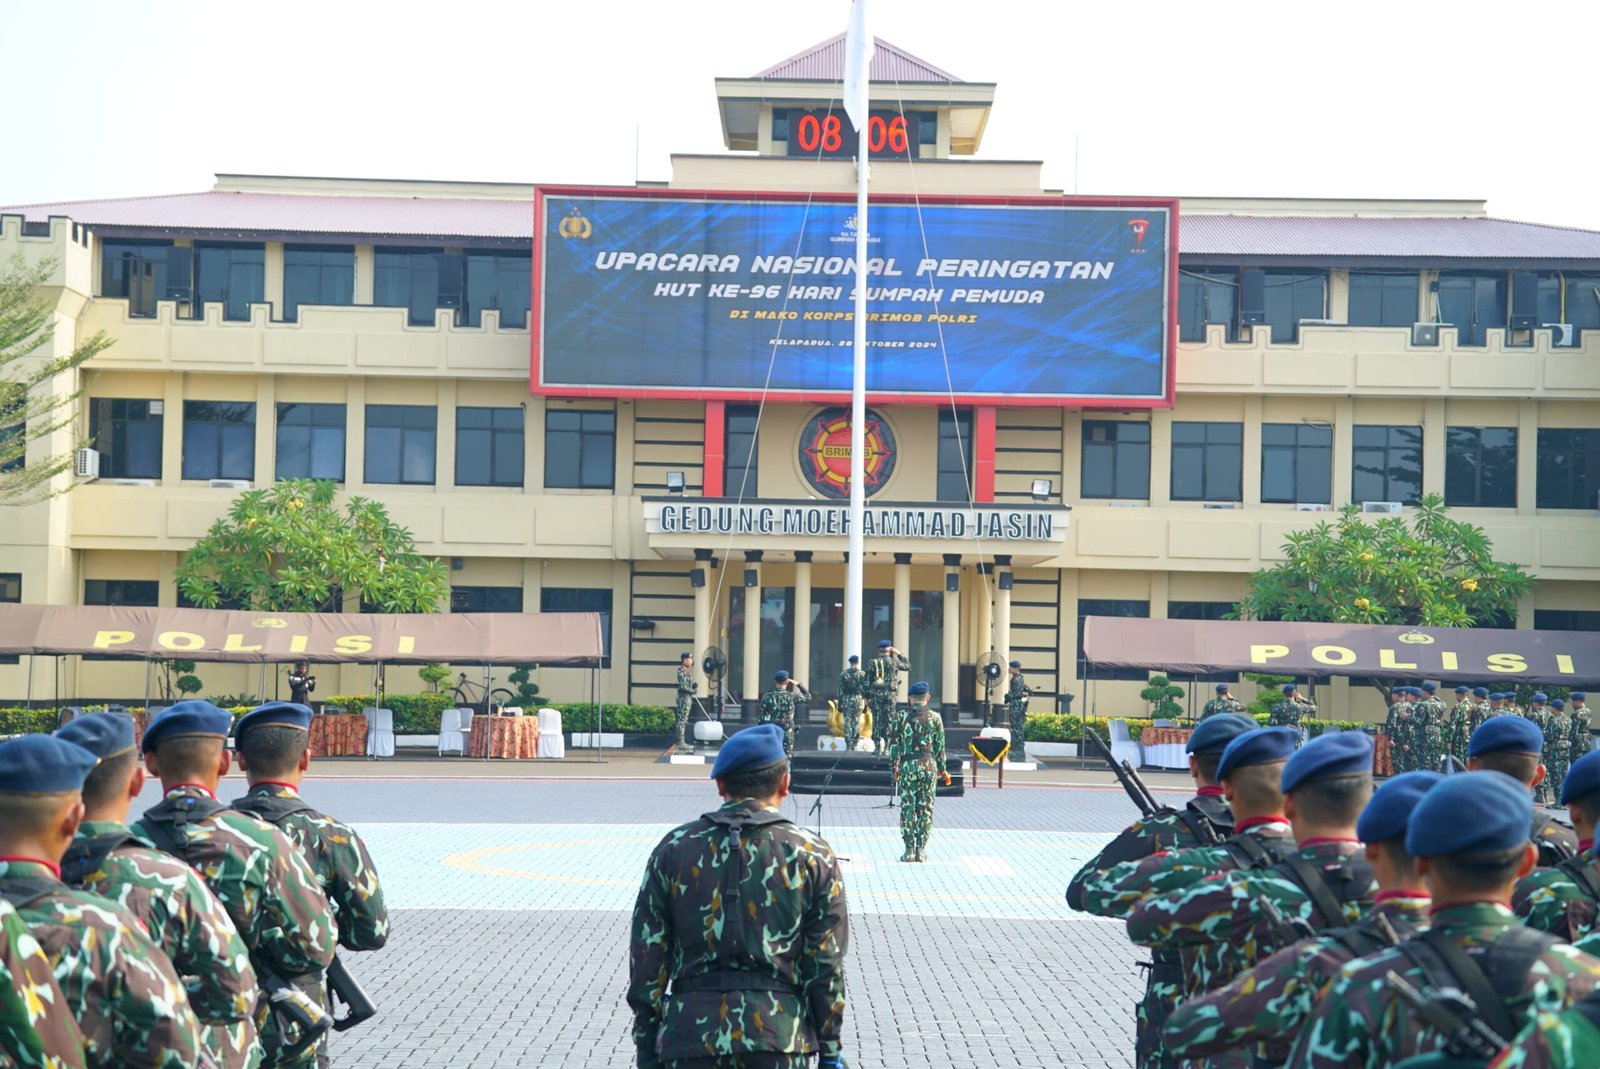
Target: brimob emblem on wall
[[825, 452], [574, 225]]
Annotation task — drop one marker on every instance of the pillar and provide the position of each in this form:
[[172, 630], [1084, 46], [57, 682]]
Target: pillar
[[949, 684], [902, 612], [984, 615], [700, 582], [750, 685], [1002, 609], [802, 618]]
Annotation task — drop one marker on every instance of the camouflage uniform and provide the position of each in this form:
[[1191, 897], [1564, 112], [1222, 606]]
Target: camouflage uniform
[[265, 884], [1557, 752], [1464, 719], [883, 687], [1540, 716], [1017, 693], [1394, 726], [1290, 711], [1582, 740], [36, 1028], [1360, 1022], [920, 750], [1558, 900], [777, 707], [1428, 731], [1225, 703], [191, 925], [685, 701], [852, 696], [117, 984], [1567, 1040], [1269, 1003], [744, 914]]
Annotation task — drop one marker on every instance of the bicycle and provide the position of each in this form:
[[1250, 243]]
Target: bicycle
[[464, 699]]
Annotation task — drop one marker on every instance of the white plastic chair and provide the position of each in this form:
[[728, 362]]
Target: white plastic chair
[[450, 734], [551, 742], [380, 732], [1123, 748]]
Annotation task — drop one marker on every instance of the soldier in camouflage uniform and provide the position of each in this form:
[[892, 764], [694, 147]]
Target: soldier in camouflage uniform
[[1270, 1002], [1566, 1040], [1430, 729], [1394, 727], [129, 1004], [1470, 836], [1455, 724], [274, 754], [686, 690], [778, 706], [1564, 900], [739, 930], [36, 1029], [1539, 713], [165, 894], [852, 696], [1222, 703], [264, 882], [1204, 817], [1512, 745], [1582, 722], [1294, 708], [883, 688], [1017, 694], [920, 751]]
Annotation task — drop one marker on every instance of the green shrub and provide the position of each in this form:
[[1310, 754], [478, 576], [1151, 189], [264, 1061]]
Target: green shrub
[[19, 721], [1068, 727], [414, 714], [628, 719]]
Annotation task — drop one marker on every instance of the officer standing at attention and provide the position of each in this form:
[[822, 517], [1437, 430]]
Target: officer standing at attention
[[921, 765], [1017, 694], [168, 896], [120, 987], [685, 694], [1558, 745], [1291, 710], [1582, 722], [1469, 836], [301, 683], [1564, 900], [852, 695], [883, 687], [1513, 745], [1430, 728], [1222, 703], [778, 706], [274, 754], [1205, 817], [266, 885], [740, 929], [36, 1028], [1456, 731], [1539, 713]]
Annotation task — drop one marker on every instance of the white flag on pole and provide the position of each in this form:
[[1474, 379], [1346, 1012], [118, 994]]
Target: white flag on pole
[[858, 49]]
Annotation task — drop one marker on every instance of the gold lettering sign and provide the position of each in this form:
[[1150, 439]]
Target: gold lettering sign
[[180, 640], [1333, 655], [1507, 662], [104, 640], [353, 644], [1386, 659], [235, 644], [1263, 654]]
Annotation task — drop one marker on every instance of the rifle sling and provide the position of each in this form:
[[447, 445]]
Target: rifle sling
[[1584, 875], [1316, 887], [1447, 965], [24, 891], [85, 855]]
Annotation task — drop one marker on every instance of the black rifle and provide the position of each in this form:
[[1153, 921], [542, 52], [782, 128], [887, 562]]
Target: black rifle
[[1204, 828], [1285, 932], [298, 1014], [347, 992], [1454, 1016]]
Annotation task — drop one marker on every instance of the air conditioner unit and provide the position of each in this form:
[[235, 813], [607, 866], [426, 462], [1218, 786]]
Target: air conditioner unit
[[1311, 506], [1425, 334], [86, 464], [230, 484], [1562, 334], [133, 482], [1220, 505], [1388, 508]]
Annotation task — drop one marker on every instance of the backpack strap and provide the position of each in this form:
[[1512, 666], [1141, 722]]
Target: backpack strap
[[1446, 964], [1584, 875], [1368, 937], [270, 807], [24, 891], [166, 822], [1350, 884], [1252, 853], [86, 855]]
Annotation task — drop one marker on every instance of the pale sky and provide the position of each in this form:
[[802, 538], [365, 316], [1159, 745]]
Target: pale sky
[[1399, 98]]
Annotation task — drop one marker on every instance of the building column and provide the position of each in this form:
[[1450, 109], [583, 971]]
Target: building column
[[950, 683], [902, 611], [1433, 445], [802, 618], [700, 581], [750, 684], [1002, 611], [983, 619]]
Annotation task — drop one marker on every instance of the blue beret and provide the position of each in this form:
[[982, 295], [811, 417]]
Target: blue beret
[[1463, 689], [1415, 692], [1016, 664], [1579, 696], [274, 714], [1541, 697], [1430, 687], [1582, 778], [1506, 733], [1260, 746], [43, 764], [884, 643], [1557, 703], [684, 655], [1480, 692], [1217, 730], [1288, 688], [751, 749], [1478, 813], [780, 675], [1334, 753], [855, 658], [917, 688], [102, 734], [1389, 810], [193, 717], [1222, 688]]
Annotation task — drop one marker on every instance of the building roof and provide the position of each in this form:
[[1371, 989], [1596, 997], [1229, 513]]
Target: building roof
[[1409, 238], [825, 62]]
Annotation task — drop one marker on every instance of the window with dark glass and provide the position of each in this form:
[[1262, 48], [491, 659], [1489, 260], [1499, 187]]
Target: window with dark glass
[[502, 280], [128, 436], [780, 124], [311, 441], [419, 280], [1472, 302], [219, 440], [486, 599], [1480, 467], [1566, 620], [1207, 461], [577, 599], [401, 443], [1296, 463], [234, 276], [955, 456], [13, 437], [1387, 463], [1292, 296], [317, 275], [10, 594], [1568, 469], [139, 592], [928, 128], [1383, 298], [1116, 459], [488, 446], [1201, 610], [136, 270], [1105, 607], [580, 448], [1581, 309], [739, 445], [1207, 295]]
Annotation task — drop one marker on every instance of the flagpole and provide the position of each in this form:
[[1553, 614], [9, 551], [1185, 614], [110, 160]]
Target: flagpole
[[858, 57]]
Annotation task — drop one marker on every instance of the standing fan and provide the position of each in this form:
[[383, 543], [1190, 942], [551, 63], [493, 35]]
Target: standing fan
[[990, 672], [714, 663]]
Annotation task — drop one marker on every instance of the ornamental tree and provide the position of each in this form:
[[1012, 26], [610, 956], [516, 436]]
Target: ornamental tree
[[292, 548]]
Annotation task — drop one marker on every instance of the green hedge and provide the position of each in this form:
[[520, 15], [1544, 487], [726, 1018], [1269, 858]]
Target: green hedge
[[419, 714], [628, 719], [414, 714], [1064, 727], [20, 721]]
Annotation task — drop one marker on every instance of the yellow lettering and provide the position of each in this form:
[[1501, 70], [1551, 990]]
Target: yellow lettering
[[104, 640], [1386, 659], [354, 644], [407, 644], [1564, 664], [235, 644], [180, 640], [297, 644], [1507, 662], [1333, 654], [1448, 661], [1263, 654]]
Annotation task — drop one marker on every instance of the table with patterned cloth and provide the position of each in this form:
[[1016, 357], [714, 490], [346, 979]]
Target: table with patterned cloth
[[1163, 747], [1163, 736], [1382, 761], [140, 722], [504, 736], [338, 735]]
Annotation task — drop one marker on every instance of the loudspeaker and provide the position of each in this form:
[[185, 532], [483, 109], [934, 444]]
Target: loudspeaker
[[1005, 580], [750, 577], [697, 578], [952, 582]]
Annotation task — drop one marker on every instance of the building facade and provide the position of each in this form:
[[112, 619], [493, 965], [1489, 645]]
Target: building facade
[[377, 333]]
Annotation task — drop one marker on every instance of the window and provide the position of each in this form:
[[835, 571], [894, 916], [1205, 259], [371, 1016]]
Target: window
[[1381, 299], [128, 436], [1387, 464], [580, 447], [1096, 607], [1480, 467], [310, 441], [136, 270], [13, 437], [489, 447], [1207, 461], [401, 443], [143, 592], [317, 274], [1566, 620], [927, 128], [1569, 468], [1292, 296], [231, 275], [741, 449], [1202, 610], [486, 599], [780, 124], [1296, 463], [1116, 459], [572, 599], [10, 594], [219, 440], [1472, 303], [955, 456], [1207, 296], [502, 280], [421, 280]]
